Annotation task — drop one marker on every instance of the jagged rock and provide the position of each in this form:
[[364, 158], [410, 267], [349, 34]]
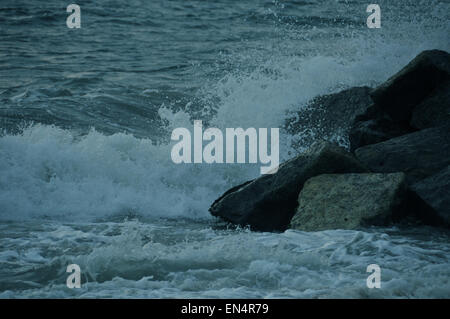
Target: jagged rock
[[349, 201], [418, 155], [417, 97], [435, 191], [268, 202], [375, 126], [434, 110], [416, 81], [328, 116], [413, 99]]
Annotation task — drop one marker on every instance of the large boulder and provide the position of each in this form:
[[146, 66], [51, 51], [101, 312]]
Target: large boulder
[[434, 110], [268, 202], [330, 116], [349, 201], [418, 155], [435, 191], [415, 82], [375, 126], [415, 98]]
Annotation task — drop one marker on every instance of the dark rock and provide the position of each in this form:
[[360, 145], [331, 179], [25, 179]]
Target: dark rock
[[329, 116], [350, 201], [418, 155], [268, 202], [417, 97], [373, 127], [435, 191], [434, 110], [409, 87]]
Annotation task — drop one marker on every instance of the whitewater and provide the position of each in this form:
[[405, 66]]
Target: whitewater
[[86, 174]]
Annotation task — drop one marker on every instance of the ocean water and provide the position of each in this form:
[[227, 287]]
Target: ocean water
[[86, 175]]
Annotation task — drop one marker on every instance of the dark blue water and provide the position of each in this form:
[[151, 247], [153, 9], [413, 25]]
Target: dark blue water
[[85, 170]]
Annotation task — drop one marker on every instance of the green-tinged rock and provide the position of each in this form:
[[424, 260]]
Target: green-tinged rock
[[349, 201], [268, 202]]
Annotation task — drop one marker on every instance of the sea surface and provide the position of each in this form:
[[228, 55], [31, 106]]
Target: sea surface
[[86, 175]]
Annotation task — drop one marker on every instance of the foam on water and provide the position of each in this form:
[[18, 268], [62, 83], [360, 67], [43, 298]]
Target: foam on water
[[136, 259], [86, 183], [48, 171]]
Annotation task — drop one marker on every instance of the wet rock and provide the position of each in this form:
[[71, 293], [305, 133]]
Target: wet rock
[[418, 155], [269, 202], [415, 82], [329, 117], [434, 110], [435, 191], [373, 127], [415, 98], [350, 201]]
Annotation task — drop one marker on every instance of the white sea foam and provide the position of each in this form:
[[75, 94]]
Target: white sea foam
[[47, 171], [141, 260], [50, 173]]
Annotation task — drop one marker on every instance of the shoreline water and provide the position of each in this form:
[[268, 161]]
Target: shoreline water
[[158, 260], [92, 182]]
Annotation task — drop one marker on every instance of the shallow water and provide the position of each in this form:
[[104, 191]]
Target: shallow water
[[85, 170], [182, 259]]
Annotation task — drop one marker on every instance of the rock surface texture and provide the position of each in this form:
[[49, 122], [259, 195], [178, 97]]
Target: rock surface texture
[[415, 82], [349, 201], [268, 202], [417, 97], [435, 191], [330, 116], [400, 136], [419, 155]]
